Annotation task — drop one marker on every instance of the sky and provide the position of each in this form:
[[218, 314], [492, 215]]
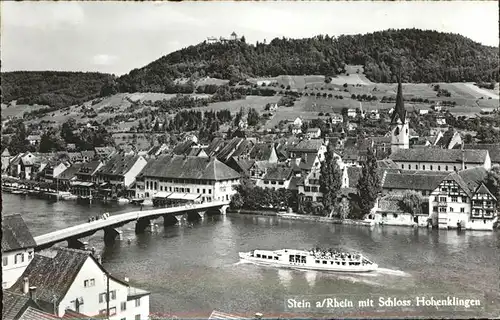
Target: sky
[[116, 37]]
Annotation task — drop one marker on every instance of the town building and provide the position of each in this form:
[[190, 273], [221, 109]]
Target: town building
[[68, 279], [120, 170], [206, 179], [18, 247], [493, 151], [313, 133], [436, 159], [278, 177], [52, 170], [18, 307], [462, 201], [400, 135]]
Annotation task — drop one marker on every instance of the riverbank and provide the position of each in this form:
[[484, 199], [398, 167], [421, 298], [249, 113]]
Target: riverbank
[[303, 217]]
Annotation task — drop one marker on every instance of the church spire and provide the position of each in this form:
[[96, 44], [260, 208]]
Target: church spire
[[399, 110]]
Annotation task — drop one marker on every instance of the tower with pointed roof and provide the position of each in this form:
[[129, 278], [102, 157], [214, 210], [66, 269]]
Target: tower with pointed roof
[[400, 135]]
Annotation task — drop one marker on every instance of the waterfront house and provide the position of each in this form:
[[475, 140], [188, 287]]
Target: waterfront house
[[400, 181], [120, 170], [388, 211], [183, 177], [21, 165], [68, 176], [436, 159], [52, 170], [69, 279], [278, 177], [87, 171], [462, 201], [17, 248]]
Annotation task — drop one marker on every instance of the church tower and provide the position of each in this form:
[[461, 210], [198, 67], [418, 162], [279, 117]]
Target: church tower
[[400, 135]]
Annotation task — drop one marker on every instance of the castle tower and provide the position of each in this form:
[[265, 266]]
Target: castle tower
[[400, 135]]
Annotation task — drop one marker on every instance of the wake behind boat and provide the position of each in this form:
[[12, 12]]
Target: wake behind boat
[[320, 260]]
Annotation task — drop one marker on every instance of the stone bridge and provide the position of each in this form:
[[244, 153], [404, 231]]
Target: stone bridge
[[143, 219]]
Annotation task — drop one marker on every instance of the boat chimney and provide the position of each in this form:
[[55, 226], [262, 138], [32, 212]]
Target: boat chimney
[[463, 158], [26, 285], [126, 279]]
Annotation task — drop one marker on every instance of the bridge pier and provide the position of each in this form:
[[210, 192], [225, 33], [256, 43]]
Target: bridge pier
[[111, 234], [75, 243], [195, 215], [169, 220], [141, 225], [223, 209]]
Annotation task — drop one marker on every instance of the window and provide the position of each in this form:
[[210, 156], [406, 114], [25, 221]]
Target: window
[[198, 190], [273, 182], [446, 168], [395, 215], [434, 209], [102, 297], [281, 183], [5, 261], [270, 257], [86, 284], [137, 317], [161, 188], [112, 311], [258, 255], [451, 209], [138, 302], [454, 199], [112, 295], [30, 255], [266, 181], [18, 258], [325, 262], [264, 256], [209, 191], [123, 306], [423, 167], [442, 199], [384, 215], [316, 261], [464, 199], [442, 209], [204, 191], [431, 167], [462, 209]]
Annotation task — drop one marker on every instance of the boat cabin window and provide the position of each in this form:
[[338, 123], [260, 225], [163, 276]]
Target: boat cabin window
[[303, 259], [331, 262], [258, 255], [343, 263], [270, 257], [275, 258], [325, 262], [317, 261], [337, 262], [292, 258], [264, 256]]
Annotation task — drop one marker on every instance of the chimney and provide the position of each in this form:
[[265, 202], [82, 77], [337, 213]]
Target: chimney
[[33, 293], [26, 285], [463, 158]]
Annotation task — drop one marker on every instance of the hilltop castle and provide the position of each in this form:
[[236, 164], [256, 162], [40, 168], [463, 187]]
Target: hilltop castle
[[232, 37]]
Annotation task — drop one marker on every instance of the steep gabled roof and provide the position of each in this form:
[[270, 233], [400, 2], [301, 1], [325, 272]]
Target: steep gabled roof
[[118, 165], [493, 149], [473, 177], [312, 145], [14, 304], [53, 273], [482, 189], [279, 173], [70, 172], [183, 148], [34, 314], [15, 233], [184, 167], [413, 180]]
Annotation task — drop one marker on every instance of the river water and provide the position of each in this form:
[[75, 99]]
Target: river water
[[191, 271]]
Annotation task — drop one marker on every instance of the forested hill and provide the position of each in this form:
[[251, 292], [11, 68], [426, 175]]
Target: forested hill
[[53, 88], [428, 56]]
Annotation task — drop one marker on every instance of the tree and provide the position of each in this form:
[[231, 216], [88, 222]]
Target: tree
[[368, 184], [50, 142], [18, 142], [330, 181], [411, 202], [253, 117], [344, 208], [493, 183]]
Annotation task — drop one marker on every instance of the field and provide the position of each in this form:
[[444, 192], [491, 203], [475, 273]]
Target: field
[[17, 111], [256, 102]]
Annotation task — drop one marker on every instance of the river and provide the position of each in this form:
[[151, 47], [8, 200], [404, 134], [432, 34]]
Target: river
[[191, 271]]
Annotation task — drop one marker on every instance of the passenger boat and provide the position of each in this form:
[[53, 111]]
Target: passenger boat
[[316, 259]]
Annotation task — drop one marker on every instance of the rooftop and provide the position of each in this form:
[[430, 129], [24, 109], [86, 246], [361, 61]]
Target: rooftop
[[185, 167], [440, 155], [15, 234]]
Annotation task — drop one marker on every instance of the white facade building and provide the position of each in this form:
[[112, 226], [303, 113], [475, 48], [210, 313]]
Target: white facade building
[[18, 248], [78, 282]]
